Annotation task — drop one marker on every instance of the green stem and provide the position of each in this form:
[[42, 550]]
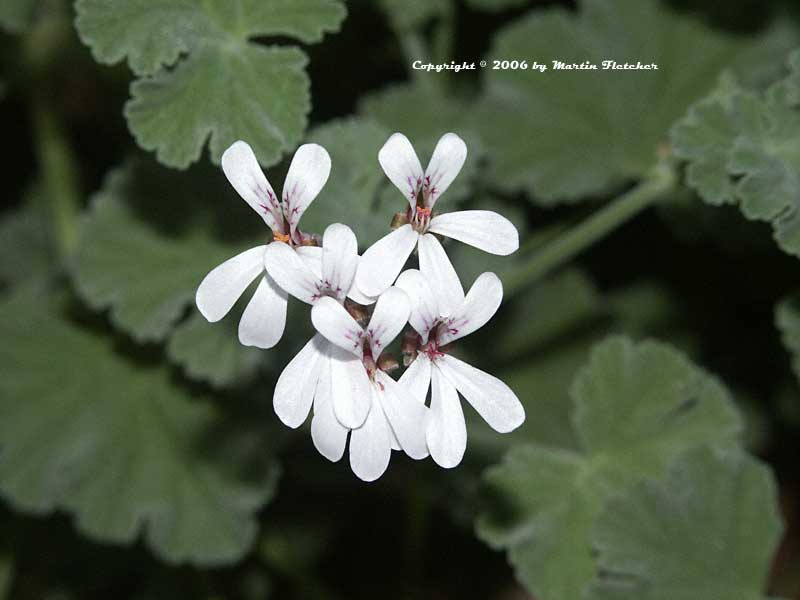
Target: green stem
[[444, 36], [571, 243], [43, 52], [414, 48], [59, 174]]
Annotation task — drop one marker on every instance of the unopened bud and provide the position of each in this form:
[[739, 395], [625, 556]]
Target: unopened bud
[[410, 347], [387, 363], [310, 239], [398, 220], [410, 343], [358, 311]]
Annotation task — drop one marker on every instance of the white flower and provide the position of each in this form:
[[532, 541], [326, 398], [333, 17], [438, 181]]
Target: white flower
[[329, 273], [448, 376], [380, 412], [486, 230], [264, 319], [306, 379]]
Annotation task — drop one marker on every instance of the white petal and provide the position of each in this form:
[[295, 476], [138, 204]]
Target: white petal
[[417, 378], [447, 430], [221, 288], [291, 272], [482, 301], [395, 442], [383, 261], [406, 416], [357, 295], [401, 165], [329, 436], [264, 318], [484, 229], [294, 392], [332, 320], [438, 270], [307, 175], [424, 307], [245, 175], [388, 319], [351, 389], [312, 256], [371, 445], [492, 398], [339, 259], [446, 162]]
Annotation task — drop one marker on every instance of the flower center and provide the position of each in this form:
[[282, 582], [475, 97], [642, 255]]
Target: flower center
[[367, 359], [324, 288], [433, 348], [280, 237], [372, 364], [425, 193], [420, 219]]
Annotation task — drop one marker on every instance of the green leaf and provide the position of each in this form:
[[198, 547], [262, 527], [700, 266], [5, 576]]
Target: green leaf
[[17, 15], [742, 149], [540, 357], [636, 407], [562, 135], [186, 50], [707, 530], [150, 237], [211, 352], [26, 250], [352, 194], [787, 319], [129, 452]]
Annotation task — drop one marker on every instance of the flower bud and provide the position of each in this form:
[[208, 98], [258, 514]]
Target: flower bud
[[398, 220], [387, 363]]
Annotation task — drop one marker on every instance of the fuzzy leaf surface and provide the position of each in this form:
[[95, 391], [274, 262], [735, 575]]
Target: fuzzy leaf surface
[[185, 50], [130, 453], [636, 407], [562, 135], [150, 237], [707, 530], [741, 147]]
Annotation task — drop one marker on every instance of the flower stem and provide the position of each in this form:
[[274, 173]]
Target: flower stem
[[444, 37], [58, 171], [43, 48], [574, 241], [414, 48]]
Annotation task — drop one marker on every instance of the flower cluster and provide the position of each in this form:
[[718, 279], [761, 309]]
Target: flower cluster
[[361, 304]]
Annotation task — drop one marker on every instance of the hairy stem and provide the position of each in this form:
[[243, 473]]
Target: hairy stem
[[574, 241]]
